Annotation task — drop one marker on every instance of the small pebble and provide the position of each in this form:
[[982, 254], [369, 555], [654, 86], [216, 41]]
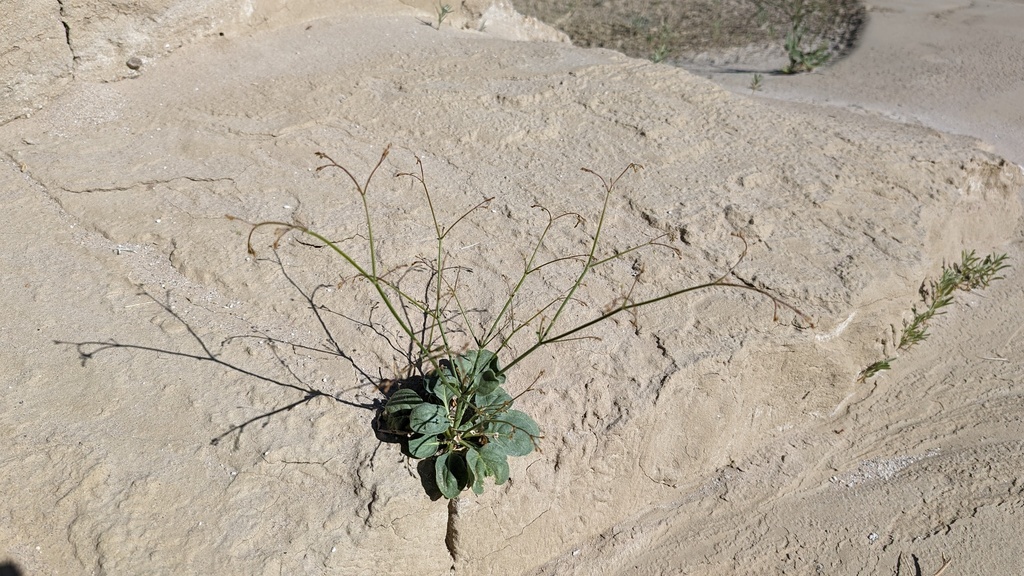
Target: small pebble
[[134, 63]]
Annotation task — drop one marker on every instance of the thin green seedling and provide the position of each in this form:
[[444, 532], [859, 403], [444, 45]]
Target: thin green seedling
[[756, 83], [451, 409], [970, 273], [658, 39], [874, 368], [660, 53], [443, 10]]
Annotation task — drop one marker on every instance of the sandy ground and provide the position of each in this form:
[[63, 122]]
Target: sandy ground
[[951, 65], [174, 405]]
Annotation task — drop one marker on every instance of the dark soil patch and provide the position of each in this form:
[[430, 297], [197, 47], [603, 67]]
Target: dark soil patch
[[676, 30]]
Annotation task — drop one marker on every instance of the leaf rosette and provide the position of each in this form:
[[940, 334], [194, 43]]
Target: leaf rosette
[[463, 421]]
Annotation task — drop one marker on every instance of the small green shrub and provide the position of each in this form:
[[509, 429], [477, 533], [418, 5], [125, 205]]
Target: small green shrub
[[969, 274], [453, 411], [801, 60], [798, 13], [660, 53]]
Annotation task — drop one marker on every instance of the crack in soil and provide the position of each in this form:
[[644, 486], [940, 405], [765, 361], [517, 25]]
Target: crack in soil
[[67, 30], [451, 536]]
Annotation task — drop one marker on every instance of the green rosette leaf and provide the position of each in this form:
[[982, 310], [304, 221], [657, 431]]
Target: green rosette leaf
[[481, 370], [488, 461], [490, 380], [496, 400], [497, 461], [445, 387], [424, 446], [515, 432], [476, 470], [451, 474], [446, 481], [428, 419], [402, 400]]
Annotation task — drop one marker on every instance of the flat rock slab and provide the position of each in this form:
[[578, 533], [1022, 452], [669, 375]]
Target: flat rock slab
[[211, 411]]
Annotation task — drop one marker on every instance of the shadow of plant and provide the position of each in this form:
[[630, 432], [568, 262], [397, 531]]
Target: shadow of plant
[[89, 349]]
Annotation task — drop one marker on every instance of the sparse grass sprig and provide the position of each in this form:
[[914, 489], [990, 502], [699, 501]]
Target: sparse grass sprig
[[972, 273], [450, 408], [969, 274], [756, 83], [874, 368], [443, 10]]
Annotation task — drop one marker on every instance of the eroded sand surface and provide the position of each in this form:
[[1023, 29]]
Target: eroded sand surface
[[699, 437]]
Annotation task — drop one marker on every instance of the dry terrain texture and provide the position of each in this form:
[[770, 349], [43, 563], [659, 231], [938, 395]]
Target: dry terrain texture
[[172, 404]]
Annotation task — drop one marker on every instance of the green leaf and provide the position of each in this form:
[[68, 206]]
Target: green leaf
[[395, 424], [522, 421], [489, 381], [424, 446], [451, 474], [428, 419], [475, 360], [457, 464], [468, 424], [448, 374], [481, 370], [496, 399], [404, 399], [461, 373], [516, 431], [476, 371], [488, 461], [476, 464], [445, 387], [445, 479], [477, 470], [497, 463]]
